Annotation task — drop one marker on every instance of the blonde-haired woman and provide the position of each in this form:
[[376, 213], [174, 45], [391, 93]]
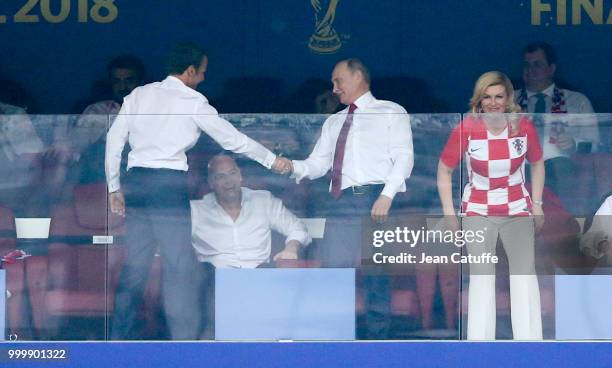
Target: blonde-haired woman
[[495, 143]]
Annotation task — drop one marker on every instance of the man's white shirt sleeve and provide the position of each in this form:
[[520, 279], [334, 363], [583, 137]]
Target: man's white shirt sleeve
[[230, 138], [286, 223], [320, 160], [402, 155], [115, 142]]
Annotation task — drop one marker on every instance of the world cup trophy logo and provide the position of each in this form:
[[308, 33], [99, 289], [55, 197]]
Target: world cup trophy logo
[[324, 40]]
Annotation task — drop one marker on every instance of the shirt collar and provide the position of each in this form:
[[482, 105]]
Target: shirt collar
[[548, 91], [173, 80], [244, 198], [364, 100]]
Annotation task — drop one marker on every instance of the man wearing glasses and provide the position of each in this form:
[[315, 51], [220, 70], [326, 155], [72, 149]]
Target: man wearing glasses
[[562, 135]]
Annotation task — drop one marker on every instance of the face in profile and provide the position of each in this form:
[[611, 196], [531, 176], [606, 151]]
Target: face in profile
[[348, 85], [197, 76], [123, 81], [494, 99], [537, 72], [225, 179]]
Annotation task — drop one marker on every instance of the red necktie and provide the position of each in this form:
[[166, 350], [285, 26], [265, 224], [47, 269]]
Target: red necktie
[[336, 180]]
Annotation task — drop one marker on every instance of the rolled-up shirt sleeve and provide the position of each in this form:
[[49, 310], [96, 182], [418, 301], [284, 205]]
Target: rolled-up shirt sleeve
[[402, 154], [230, 138], [286, 223]]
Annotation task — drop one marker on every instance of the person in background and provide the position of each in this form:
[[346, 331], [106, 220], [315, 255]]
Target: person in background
[[20, 162], [560, 136]]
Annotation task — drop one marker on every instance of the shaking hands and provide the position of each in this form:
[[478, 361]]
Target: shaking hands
[[282, 165]]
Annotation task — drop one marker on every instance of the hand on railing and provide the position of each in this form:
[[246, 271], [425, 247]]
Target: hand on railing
[[290, 252]]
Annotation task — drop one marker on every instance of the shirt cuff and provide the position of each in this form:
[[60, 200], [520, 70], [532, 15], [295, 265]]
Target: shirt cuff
[[113, 187], [269, 160], [298, 171], [389, 191], [301, 236]]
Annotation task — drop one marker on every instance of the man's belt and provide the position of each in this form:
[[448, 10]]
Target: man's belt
[[360, 190]]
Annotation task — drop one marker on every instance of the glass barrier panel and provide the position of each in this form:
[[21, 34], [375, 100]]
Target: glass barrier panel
[[507, 158], [56, 216], [291, 237], [92, 273]]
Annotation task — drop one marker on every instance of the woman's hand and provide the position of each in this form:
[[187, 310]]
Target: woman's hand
[[538, 215]]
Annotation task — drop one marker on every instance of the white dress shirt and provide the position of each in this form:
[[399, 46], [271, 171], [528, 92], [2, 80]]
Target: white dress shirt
[[17, 133], [246, 242], [378, 147], [161, 121], [580, 121], [18, 143], [93, 123], [600, 230]]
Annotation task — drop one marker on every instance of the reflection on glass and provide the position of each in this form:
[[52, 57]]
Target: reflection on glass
[[67, 288]]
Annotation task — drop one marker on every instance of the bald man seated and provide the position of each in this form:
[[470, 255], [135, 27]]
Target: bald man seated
[[232, 228]]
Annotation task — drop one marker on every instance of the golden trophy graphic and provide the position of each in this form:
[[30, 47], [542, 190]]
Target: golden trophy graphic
[[324, 40]]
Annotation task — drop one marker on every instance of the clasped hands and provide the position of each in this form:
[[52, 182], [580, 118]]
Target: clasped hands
[[282, 165]]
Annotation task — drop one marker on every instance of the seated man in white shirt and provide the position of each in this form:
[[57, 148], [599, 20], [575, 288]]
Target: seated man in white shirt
[[232, 227]]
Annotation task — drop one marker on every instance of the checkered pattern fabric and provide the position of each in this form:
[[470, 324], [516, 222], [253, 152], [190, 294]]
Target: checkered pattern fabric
[[495, 166]]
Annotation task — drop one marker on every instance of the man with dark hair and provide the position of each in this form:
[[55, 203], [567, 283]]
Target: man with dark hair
[[562, 136], [183, 56], [368, 149], [162, 120], [124, 74], [87, 138], [549, 52]]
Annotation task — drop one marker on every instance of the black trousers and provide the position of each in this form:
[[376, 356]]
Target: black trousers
[[560, 173], [342, 247], [158, 217]]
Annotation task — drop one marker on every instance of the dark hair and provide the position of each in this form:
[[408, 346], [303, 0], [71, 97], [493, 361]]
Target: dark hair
[[547, 49], [183, 55], [354, 64], [127, 62]]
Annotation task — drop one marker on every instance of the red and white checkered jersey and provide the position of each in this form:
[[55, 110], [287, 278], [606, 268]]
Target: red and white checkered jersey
[[495, 166]]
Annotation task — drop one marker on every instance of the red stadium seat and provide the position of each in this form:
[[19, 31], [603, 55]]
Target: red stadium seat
[[78, 278], [15, 277]]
